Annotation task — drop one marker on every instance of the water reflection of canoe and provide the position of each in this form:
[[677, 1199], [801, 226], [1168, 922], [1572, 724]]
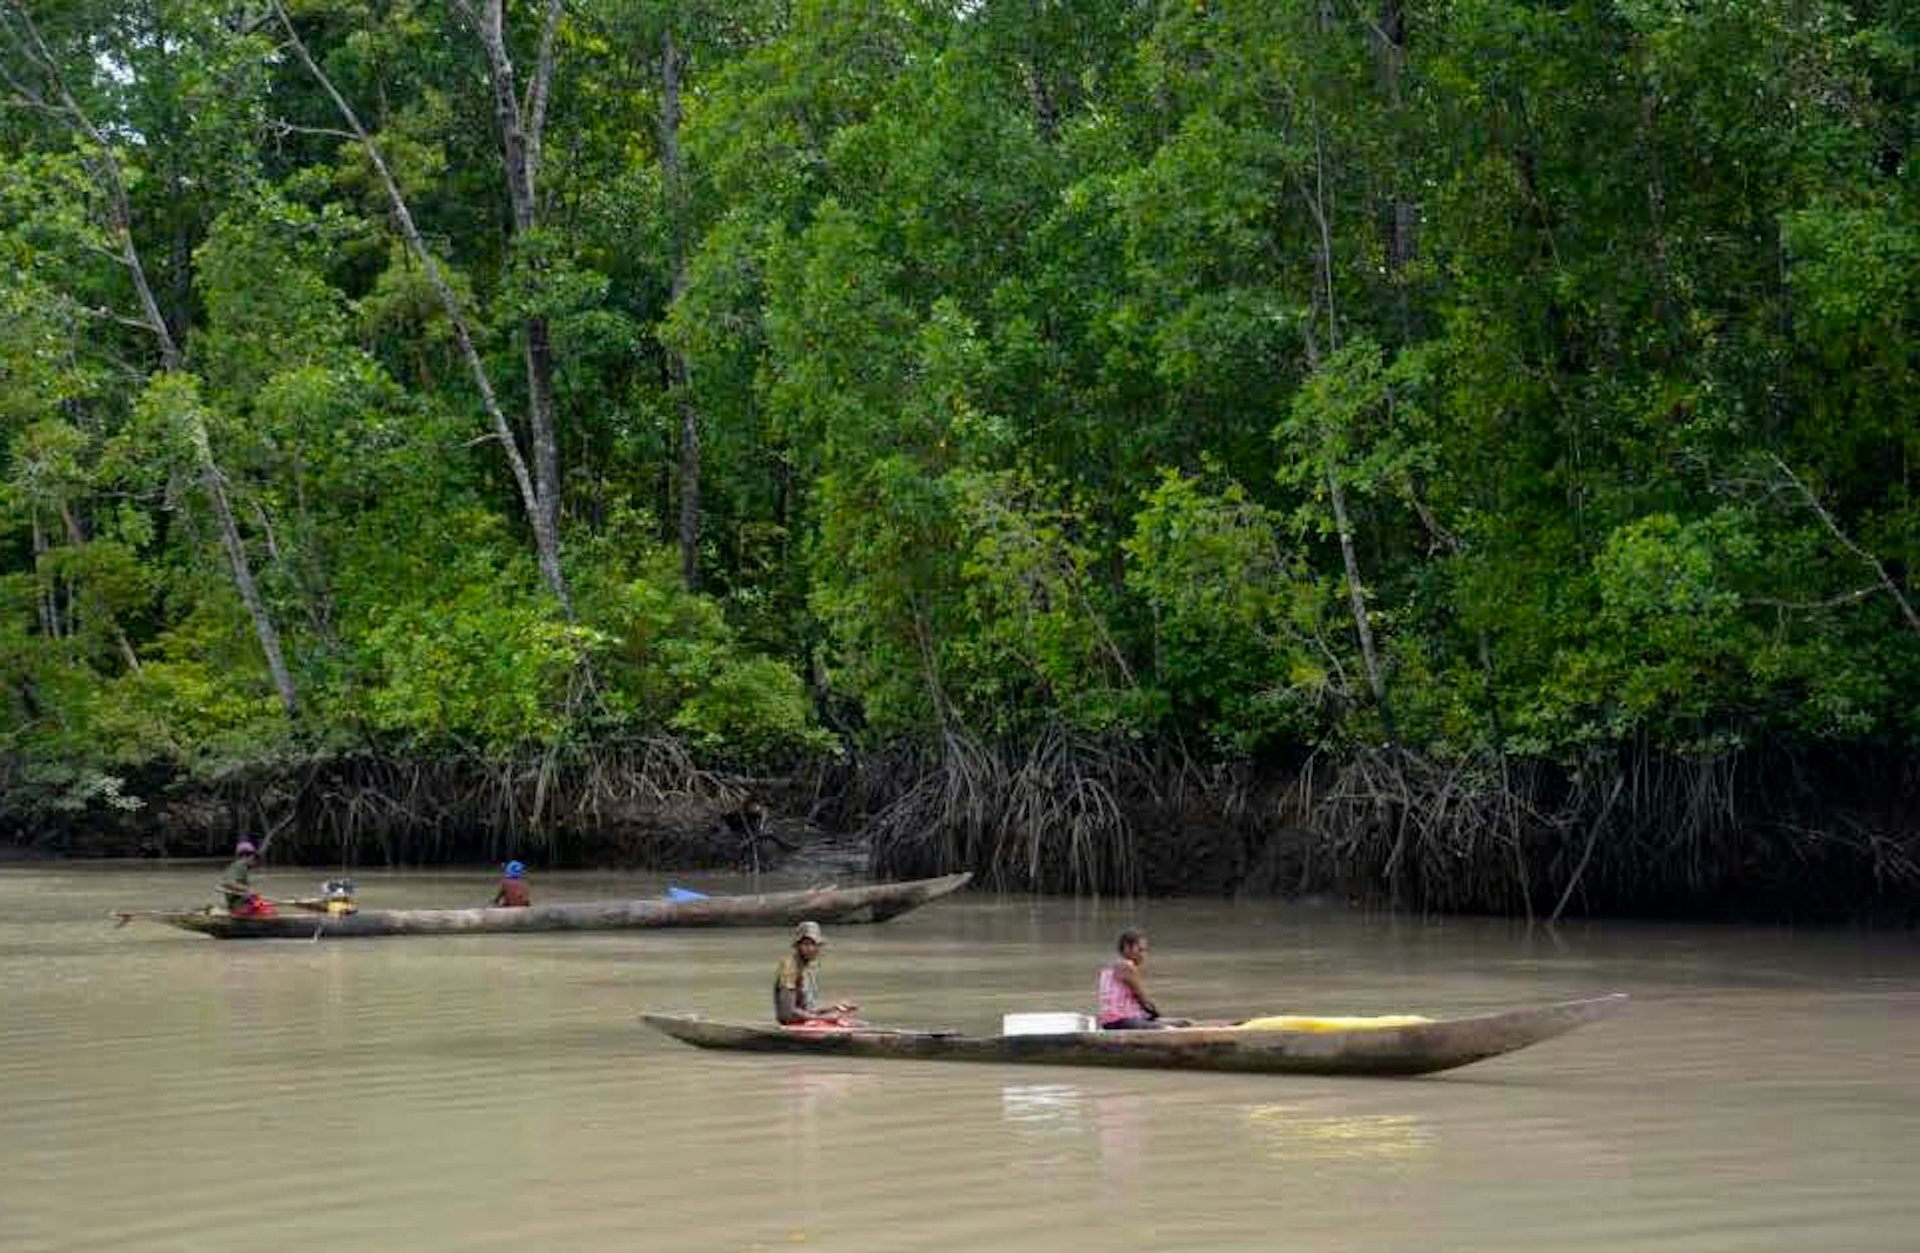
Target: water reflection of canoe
[[874, 902], [1409, 1049]]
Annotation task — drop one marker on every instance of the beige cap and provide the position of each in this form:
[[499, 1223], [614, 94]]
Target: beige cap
[[808, 931]]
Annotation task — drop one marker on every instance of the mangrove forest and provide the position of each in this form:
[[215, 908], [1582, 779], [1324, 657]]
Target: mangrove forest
[[1455, 455]]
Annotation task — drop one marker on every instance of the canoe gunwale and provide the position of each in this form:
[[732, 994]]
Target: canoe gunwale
[[1411, 1049], [875, 902]]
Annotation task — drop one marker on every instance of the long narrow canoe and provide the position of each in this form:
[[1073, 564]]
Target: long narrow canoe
[[875, 902], [1416, 1048]]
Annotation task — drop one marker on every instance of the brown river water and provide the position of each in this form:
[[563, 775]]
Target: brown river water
[[164, 1091]]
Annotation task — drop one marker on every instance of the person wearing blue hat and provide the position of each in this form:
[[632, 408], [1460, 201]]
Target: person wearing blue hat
[[512, 892]]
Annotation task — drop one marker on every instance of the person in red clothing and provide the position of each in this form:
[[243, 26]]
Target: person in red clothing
[[237, 883], [512, 892]]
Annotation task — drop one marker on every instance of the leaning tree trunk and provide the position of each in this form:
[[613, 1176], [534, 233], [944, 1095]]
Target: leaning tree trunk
[[541, 509], [21, 30], [215, 487]]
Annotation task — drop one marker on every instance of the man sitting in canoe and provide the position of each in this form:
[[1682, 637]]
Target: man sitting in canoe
[[512, 892], [237, 883], [796, 991], [1124, 1003]]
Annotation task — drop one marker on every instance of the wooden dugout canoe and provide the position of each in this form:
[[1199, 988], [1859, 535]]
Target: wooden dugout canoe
[[872, 903], [1412, 1049]]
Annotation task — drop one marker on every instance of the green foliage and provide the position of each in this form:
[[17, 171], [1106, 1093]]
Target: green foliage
[[1240, 640], [1344, 424], [1040, 630], [751, 709], [268, 306], [199, 702], [670, 659], [482, 665], [1026, 346]]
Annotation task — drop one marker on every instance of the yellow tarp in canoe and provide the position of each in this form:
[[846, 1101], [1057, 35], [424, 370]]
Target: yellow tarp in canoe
[[1293, 1023]]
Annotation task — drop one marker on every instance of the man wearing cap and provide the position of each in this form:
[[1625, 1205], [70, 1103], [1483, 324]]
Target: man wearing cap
[[512, 892], [237, 883], [796, 992]]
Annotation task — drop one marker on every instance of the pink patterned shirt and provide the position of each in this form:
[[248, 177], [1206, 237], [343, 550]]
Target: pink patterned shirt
[[1117, 1000]]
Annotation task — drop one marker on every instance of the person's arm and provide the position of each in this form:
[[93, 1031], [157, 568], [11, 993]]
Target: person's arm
[[1130, 975], [788, 1011]]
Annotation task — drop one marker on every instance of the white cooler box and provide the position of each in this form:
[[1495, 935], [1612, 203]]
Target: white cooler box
[[1045, 1024]]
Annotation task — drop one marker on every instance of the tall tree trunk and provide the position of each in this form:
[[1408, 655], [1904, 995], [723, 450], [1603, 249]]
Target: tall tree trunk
[[120, 211], [1389, 36], [681, 373], [1046, 110], [1322, 214], [1390, 47], [520, 124], [540, 518], [546, 458]]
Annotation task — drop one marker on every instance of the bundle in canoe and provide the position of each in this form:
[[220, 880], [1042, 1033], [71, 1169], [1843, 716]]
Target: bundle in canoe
[[876, 902], [1409, 1048]]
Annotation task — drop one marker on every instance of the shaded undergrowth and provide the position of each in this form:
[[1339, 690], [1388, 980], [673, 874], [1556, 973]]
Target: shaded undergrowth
[[1772, 833], [641, 802], [1763, 834]]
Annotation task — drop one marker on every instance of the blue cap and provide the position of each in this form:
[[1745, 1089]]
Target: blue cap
[[515, 870]]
